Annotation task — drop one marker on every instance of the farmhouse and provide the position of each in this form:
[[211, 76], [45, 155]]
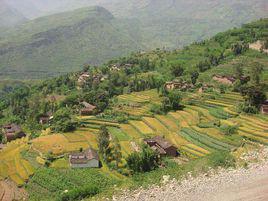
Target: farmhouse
[[224, 79], [177, 85], [45, 118], [264, 107], [87, 109], [83, 78], [162, 146], [12, 132], [84, 159]]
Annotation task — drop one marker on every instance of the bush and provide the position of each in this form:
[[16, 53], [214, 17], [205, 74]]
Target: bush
[[144, 161], [156, 109], [245, 107], [229, 130], [63, 121], [221, 159], [80, 193]]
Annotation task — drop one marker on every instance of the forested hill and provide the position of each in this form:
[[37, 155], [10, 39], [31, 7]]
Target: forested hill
[[196, 63], [61, 43]]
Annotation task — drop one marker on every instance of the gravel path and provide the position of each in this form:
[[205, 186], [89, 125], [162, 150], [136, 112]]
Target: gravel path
[[226, 185]]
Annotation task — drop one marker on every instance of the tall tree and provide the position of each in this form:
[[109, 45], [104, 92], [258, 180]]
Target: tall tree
[[194, 77], [117, 154], [177, 70], [103, 142], [256, 72]]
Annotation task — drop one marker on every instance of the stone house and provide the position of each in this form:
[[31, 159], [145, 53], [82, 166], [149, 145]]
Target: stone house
[[84, 159], [224, 79], [12, 132], [264, 107], [182, 85], [87, 109], [162, 146], [83, 78], [45, 118]]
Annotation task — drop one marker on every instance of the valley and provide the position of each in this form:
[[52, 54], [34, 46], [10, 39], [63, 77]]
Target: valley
[[207, 100], [56, 43]]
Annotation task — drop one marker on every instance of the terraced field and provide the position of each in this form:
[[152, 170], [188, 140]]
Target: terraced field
[[196, 131], [12, 164]]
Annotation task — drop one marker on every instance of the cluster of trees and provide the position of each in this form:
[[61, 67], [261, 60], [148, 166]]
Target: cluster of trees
[[144, 161], [171, 101], [110, 150], [250, 87], [64, 121]]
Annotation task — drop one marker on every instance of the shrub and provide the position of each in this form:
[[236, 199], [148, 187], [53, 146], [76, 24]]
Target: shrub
[[156, 109], [80, 193], [144, 161], [228, 129], [63, 121], [221, 159], [245, 107]]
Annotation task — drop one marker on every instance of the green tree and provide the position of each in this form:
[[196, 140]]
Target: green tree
[[238, 70], [117, 154], [194, 77], [143, 161], [256, 72], [104, 142], [63, 121], [255, 96], [239, 48], [177, 70]]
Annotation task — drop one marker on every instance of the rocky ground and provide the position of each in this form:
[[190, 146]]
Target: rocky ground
[[9, 191], [245, 184]]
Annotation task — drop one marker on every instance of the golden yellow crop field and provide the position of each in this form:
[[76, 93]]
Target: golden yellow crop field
[[141, 126], [57, 144], [168, 122], [12, 164], [130, 131], [178, 117], [156, 125]]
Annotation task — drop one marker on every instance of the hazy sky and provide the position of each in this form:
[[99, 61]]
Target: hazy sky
[[36, 8]]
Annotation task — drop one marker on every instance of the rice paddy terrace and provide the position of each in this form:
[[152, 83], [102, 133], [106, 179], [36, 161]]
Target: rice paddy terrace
[[196, 131]]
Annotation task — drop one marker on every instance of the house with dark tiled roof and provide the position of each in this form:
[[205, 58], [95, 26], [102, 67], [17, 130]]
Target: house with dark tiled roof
[[229, 80], [87, 109], [84, 159], [45, 118], [264, 107], [12, 132], [162, 146]]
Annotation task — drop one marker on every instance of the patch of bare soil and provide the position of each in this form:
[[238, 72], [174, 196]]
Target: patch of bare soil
[[257, 46], [9, 191]]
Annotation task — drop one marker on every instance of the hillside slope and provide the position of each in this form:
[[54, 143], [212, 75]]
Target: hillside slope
[[9, 16], [61, 43]]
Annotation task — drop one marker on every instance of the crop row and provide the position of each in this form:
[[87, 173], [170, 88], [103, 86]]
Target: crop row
[[205, 140]]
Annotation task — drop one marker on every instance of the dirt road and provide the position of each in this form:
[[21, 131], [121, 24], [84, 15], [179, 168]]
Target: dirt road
[[9, 191], [226, 185]]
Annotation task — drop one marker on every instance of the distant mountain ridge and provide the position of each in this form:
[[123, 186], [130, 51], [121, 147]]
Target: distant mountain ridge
[[12, 17], [65, 41]]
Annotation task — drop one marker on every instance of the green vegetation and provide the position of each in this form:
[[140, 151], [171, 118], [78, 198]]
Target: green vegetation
[[145, 161], [61, 43], [203, 121], [50, 184]]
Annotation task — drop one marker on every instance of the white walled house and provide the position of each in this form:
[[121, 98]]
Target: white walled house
[[84, 159]]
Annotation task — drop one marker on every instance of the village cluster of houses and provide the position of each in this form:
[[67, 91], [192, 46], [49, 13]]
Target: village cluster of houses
[[89, 158]]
